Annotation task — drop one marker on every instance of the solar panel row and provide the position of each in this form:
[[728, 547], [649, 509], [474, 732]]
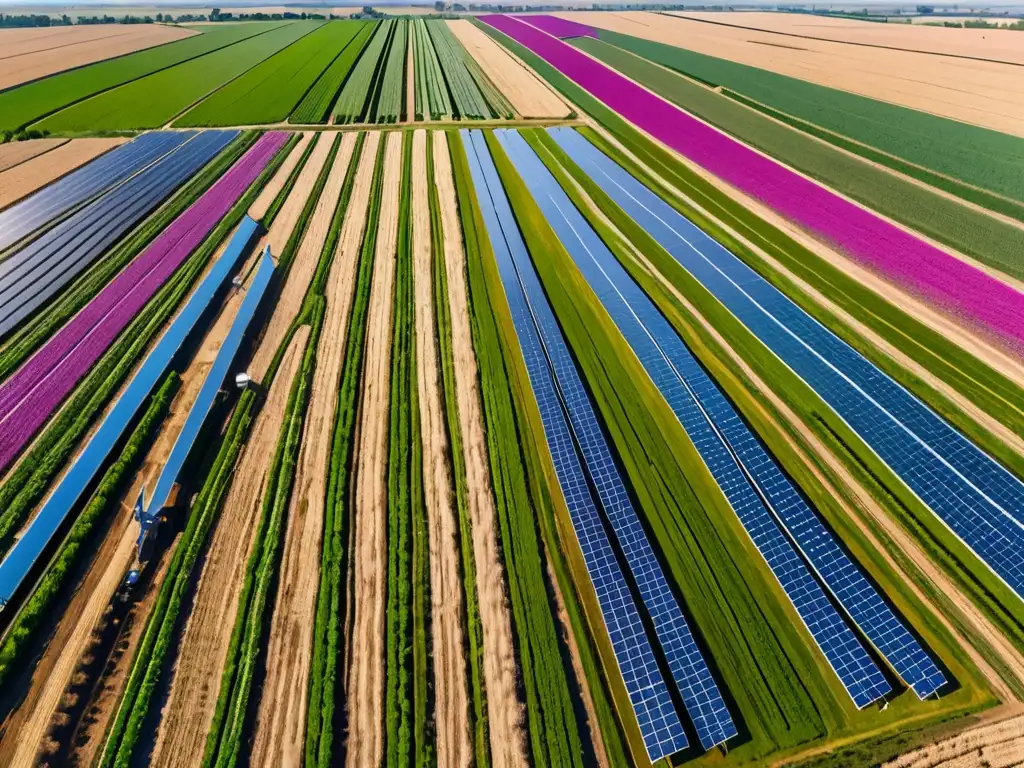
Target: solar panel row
[[36, 272], [652, 339], [700, 694], [659, 723], [63, 195], [974, 496]]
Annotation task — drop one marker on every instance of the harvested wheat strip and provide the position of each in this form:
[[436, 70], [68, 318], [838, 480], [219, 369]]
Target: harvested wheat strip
[[1007, 735], [188, 712], [505, 711], [270, 192], [19, 42], [27, 177], [16, 152], [307, 255], [527, 93], [450, 696], [281, 720], [366, 665]]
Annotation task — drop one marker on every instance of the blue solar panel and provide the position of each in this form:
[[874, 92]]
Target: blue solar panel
[[56, 199], [659, 723], [37, 271], [672, 369], [975, 497]]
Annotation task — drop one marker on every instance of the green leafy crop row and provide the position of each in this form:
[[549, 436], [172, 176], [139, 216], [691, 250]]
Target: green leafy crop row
[[316, 104]]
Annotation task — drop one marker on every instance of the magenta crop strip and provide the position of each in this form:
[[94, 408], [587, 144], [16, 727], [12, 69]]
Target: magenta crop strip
[[29, 397], [956, 286], [559, 27]]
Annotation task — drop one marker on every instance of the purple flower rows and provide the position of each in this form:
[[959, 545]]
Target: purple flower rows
[[559, 27], [955, 285], [29, 397]]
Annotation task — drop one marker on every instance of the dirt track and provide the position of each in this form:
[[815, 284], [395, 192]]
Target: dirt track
[[453, 747], [505, 711], [273, 188], [188, 711], [365, 676], [26, 729], [281, 719], [77, 46], [979, 92], [528, 94], [29, 176], [15, 152], [307, 255]]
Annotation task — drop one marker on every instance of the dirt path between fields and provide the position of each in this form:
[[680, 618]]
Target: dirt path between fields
[[451, 702], [273, 188], [279, 739], [307, 255], [505, 711], [366, 664], [27, 728], [188, 711], [25, 178]]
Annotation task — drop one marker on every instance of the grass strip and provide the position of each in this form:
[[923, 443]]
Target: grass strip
[[21, 636]]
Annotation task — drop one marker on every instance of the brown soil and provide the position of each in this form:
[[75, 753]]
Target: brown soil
[[453, 747], [26, 729], [307, 255], [281, 719], [505, 711], [79, 46], [979, 92], [993, 746], [366, 663], [188, 711], [16, 152], [529, 96], [29, 176], [273, 188]]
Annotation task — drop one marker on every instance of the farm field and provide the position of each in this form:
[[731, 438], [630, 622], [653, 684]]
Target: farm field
[[500, 392]]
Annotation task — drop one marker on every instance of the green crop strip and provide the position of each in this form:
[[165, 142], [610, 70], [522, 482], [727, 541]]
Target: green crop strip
[[316, 104], [472, 94], [327, 631], [519, 485], [269, 92], [133, 106], [42, 325], [988, 239], [22, 633], [431, 92], [357, 97], [389, 106], [766, 662], [33, 101], [988, 389]]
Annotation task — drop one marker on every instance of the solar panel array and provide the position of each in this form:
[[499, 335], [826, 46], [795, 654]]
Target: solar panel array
[[973, 495], [671, 367], [37, 271], [111, 168], [659, 723], [700, 693]]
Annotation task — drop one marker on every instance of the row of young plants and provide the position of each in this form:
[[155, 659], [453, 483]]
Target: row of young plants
[[315, 106], [431, 91], [389, 105], [324, 718], [473, 96], [148, 663], [785, 442], [20, 636], [355, 102], [525, 512]]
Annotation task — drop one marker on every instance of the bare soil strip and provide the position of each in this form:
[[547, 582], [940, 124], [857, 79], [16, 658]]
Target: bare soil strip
[[26, 729], [16, 152], [505, 711], [528, 94], [450, 695], [27, 177], [307, 255], [270, 192], [996, 745], [979, 92], [188, 711], [366, 668], [281, 719]]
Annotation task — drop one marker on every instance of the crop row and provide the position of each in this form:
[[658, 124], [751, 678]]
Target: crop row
[[316, 104], [357, 96], [389, 106], [269, 92], [431, 90], [468, 98]]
